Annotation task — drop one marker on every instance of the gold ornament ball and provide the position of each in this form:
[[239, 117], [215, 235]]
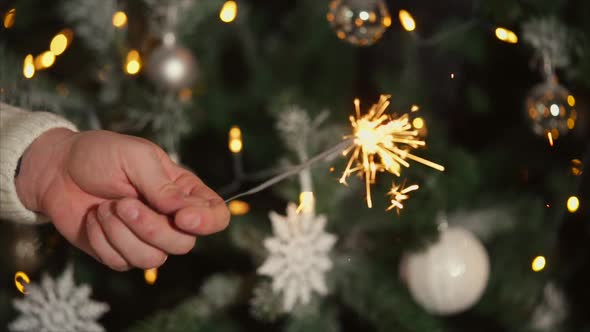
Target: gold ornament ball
[[551, 109], [172, 67], [359, 22]]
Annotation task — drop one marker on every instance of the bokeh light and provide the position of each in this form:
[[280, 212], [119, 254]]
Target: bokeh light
[[538, 264]]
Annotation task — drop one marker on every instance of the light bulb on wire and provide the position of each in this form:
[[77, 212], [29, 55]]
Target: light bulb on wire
[[573, 203], [235, 139], [133, 64], [119, 19], [506, 35], [228, 11], [28, 66], [406, 20], [9, 18]]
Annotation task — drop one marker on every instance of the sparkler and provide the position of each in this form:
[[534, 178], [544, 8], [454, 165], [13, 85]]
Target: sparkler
[[399, 194], [381, 143]]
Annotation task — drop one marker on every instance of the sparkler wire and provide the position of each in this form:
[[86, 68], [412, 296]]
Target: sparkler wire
[[338, 148]]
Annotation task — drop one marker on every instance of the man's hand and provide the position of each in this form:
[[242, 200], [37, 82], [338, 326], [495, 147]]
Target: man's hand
[[119, 198]]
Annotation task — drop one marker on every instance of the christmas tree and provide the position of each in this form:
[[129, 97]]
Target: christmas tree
[[390, 165]]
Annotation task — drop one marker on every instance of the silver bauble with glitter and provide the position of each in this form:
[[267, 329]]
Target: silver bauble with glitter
[[359, 22], [550, 109], [172, 67]]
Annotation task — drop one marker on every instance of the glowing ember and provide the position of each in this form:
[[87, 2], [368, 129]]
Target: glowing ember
[[381, 143], [399, 194], [550, 138]]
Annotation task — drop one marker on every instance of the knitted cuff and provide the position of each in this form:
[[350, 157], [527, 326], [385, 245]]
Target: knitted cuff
[[17, 133]]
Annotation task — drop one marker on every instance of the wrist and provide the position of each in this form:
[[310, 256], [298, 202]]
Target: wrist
[[40, 164]]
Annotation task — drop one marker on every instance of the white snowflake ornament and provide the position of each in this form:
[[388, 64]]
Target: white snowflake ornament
[[58, 306], [298, 255], [551, 311]]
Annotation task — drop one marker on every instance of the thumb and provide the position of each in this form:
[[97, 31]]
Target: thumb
[[147, 174]]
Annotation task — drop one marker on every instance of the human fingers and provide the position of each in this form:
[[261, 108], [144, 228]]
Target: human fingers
[[127, 244], [103, 250], [197, 219], [192, 185], [145, 170], [153, 228], [202, 220]]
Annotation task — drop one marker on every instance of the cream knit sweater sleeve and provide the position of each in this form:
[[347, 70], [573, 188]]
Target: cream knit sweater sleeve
[[18, 129]]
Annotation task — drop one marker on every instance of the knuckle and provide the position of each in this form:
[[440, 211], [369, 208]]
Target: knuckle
[[150, 233], [126, 204]]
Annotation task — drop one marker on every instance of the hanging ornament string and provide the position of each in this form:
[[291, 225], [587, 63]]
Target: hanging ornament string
[[550, 107], [551, 42]]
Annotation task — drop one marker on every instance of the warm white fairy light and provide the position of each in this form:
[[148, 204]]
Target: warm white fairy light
[[538, 263], [573, 203], [306, 202], [28, 66], [406, 20], [19, 278], [133, 63], [506, 35], [235, 140], [238, 208], [60, 42], [381, 143], [9, 18], [46, 60], [150, 276], [119, 19], [228, 11]]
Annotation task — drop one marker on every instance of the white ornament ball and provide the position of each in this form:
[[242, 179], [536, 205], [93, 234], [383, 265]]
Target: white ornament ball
[[172, 67], [450, 275]]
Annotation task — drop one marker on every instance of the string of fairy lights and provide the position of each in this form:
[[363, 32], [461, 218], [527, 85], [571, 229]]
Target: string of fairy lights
[[378, 142]]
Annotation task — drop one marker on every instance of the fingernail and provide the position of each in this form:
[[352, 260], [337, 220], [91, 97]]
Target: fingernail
[[194, 223], [197, 201], [130, 214]]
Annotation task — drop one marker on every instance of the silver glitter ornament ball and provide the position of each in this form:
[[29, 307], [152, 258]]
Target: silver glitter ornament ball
[[359, 22], [550, 109], [172, 67]]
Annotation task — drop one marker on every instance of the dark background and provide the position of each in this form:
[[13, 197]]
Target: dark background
[[480, 111]]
